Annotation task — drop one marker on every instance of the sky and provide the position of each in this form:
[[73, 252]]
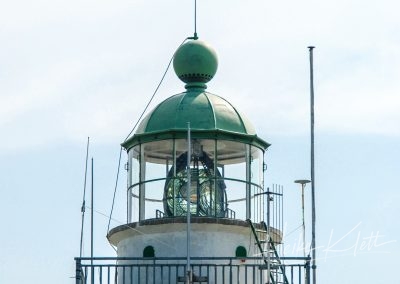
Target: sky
[[76, 69]]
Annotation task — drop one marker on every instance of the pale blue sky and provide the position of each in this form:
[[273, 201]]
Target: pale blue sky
[[73, 69]]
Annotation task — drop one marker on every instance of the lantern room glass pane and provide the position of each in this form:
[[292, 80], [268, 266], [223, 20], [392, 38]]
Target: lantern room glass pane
[[158, 159], [134, 166], [225, 175], [256, 162], [207, 195]]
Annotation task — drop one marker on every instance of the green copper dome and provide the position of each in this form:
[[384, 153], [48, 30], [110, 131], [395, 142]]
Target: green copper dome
[[203, 110], [210, 116]]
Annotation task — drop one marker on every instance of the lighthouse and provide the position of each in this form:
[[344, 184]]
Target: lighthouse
[[197, 208], [226, 162]]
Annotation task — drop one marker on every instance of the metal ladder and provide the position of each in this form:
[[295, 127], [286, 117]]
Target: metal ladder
[[270, 255]]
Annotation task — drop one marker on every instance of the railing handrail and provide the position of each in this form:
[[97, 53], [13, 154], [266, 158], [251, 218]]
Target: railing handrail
[[288, 258], [129, 270]]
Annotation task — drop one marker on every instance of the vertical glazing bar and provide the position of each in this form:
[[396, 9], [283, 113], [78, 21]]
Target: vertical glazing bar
[[142, 190], [129, 197], [248, 188], [129, 205]]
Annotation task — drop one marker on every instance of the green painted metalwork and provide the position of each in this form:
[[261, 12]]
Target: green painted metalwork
[[203, 110], [195, 63], [210, 116]]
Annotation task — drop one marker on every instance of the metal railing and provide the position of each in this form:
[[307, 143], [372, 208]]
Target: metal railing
[[167, 270]]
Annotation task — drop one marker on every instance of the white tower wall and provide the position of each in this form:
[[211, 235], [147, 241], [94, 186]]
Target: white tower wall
[[210, 238]]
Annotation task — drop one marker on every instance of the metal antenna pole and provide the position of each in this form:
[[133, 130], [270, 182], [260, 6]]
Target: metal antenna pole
[[189, 182], [314, 266], [303, 183], [304, 224], [83, 199], [195, 20], [91, 229]]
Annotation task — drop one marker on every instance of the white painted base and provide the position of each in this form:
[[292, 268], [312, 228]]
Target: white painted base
[[169, 239]]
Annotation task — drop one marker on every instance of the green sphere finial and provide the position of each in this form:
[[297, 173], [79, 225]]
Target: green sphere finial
[[195, 63]]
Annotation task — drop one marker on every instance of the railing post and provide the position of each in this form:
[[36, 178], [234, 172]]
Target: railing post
[[230, 271], [307, 272], [78, 271]]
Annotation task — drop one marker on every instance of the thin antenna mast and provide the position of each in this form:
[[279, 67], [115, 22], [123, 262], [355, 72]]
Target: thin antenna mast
[[83, 199], [314, 266], [195, 20], [91, 228]]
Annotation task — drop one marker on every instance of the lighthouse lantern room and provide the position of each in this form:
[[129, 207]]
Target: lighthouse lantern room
[[226, 158], [195, 159]]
